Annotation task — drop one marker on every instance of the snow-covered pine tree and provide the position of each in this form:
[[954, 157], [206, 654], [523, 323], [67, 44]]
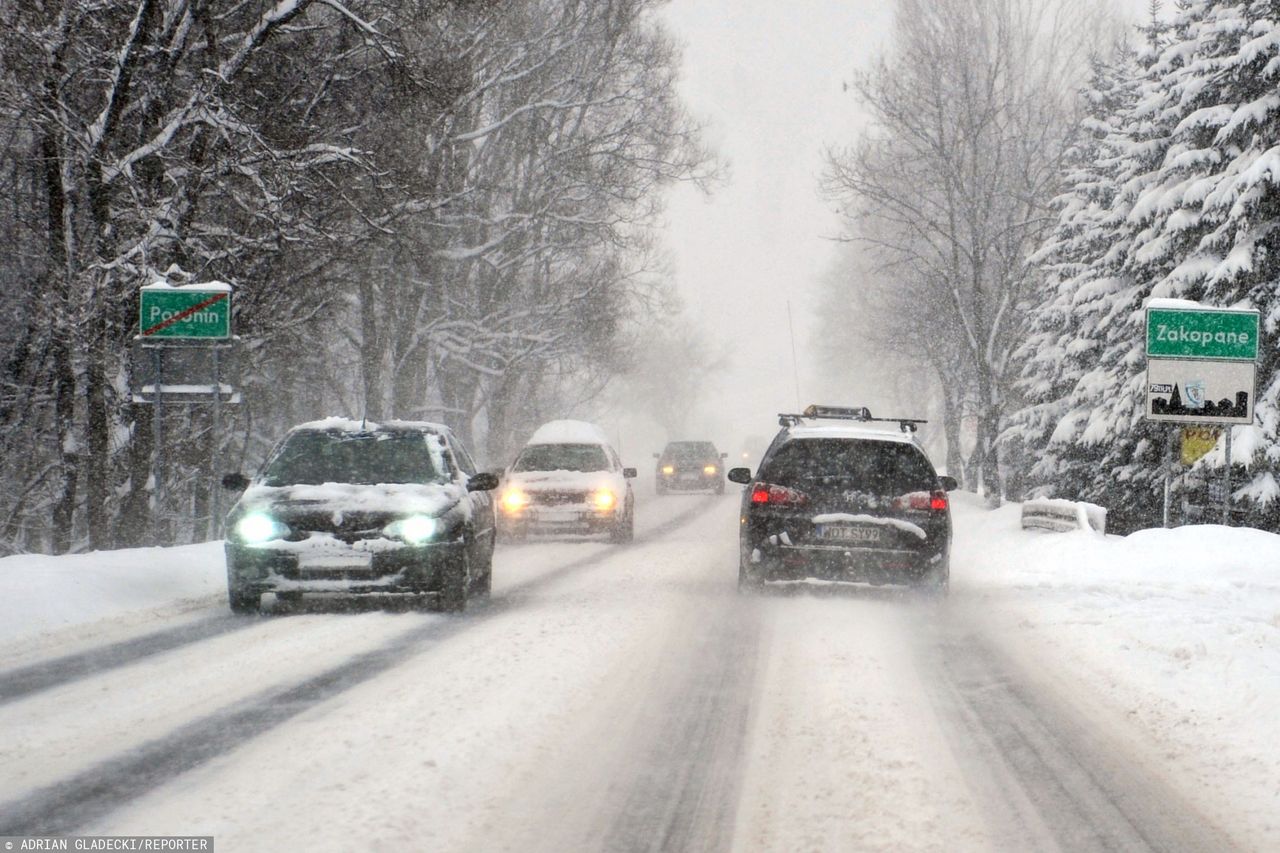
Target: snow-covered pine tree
[[1194, 217]]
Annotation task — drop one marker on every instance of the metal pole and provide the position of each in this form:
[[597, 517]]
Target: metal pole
[[215, 523], [1168, 474], [795, 366], [1226, 481], [157, 438]]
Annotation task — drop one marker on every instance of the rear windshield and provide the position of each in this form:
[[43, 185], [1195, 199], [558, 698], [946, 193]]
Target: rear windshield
[[874, 467], [691, 450], [311, 458], [562, 457]]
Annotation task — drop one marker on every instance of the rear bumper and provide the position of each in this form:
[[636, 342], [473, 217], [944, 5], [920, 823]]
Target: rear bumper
[[402, 570], [701, 482], [854, 565]]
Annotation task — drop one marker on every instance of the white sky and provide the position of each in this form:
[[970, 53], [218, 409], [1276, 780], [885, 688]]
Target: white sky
[[765, 78]]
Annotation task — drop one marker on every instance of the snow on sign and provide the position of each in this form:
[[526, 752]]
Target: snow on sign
[[1201, 364], [190, 311]]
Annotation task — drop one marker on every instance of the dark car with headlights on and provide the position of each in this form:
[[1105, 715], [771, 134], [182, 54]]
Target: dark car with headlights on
[[838, 499], [685, 466], [352, 508]]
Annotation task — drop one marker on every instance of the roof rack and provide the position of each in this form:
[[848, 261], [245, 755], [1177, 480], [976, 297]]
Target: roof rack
[[842, 413]]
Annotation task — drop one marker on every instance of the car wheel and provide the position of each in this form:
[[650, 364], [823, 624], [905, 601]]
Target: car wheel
[[624, 531], [748, 581], [242, 600], [484, 584], [659, 488], [720, 488], [936, 582], [454, 582]]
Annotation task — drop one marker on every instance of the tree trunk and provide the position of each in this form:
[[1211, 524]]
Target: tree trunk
[[64, 393], [98, 441]]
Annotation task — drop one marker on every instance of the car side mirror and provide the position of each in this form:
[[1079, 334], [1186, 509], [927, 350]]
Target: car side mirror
[[629, 473], [740, 475], [482, 482], [724, 455], [236, 482], [948, 483], [657, 456]]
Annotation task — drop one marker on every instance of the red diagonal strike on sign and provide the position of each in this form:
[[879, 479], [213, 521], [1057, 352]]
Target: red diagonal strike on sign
[[217, 297]]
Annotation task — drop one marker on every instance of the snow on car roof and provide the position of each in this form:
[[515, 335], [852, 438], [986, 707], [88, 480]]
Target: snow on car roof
[[568, 432], [847, 431], [340, 424]]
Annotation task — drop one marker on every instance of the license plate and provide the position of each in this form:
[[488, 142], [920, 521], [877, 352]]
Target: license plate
[[353, 561], [558, 516], [848, 533]]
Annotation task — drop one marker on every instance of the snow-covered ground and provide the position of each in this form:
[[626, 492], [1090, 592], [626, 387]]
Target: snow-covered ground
[[627, 698], [1176, 631]]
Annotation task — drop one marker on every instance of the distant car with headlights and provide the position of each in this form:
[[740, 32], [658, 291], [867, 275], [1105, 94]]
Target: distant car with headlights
[[349, 507], [567, 479], [685, 466], [836, 498]]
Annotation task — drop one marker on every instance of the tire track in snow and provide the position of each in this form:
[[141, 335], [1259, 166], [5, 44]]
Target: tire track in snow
[[1049, 778], [60, 808], [21, 682], [684, 791]]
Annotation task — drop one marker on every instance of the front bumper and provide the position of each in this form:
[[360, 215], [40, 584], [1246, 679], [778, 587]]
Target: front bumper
[[569, 520], [404, 569]]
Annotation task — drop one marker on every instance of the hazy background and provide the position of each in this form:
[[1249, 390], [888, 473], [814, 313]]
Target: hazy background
[[767, 81]]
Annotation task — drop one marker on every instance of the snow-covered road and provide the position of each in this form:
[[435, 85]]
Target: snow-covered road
[[606, 698]]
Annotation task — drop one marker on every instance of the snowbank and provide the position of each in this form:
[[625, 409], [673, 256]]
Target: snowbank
[[41, 594]]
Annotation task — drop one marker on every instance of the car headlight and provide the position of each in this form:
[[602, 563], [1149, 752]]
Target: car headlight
[[603, 499], [668, 469], [415, 529], [708, 469], [258, 527], [514, 500]]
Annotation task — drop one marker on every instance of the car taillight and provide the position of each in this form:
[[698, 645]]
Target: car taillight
[[913, 500], [938, 501], [765, 493]]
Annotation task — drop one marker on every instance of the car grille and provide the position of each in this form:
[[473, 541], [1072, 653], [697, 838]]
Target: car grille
[[348, 526], [558, 497]]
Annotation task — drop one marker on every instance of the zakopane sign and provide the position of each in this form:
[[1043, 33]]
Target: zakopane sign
[[1201, 364]]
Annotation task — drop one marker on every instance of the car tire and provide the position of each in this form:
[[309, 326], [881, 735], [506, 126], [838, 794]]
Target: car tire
[[659, 488], [720, 488], [242, 600], [484, 584], [624, 531], [455, 581], [936, 582], [748, 581]]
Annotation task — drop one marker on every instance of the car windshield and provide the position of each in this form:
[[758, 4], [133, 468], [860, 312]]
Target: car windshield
[[691, 450], [876, 467], [562, 457], [311, 458]]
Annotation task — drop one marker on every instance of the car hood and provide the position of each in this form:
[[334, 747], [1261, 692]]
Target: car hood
[[434, 499], [538, 480]]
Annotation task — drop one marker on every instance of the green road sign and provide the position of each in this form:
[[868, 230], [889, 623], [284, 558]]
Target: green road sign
[[1207, 334], [177, 312]]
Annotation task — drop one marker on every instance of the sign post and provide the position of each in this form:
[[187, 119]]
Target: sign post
[[181, 356], [1201, 371]]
